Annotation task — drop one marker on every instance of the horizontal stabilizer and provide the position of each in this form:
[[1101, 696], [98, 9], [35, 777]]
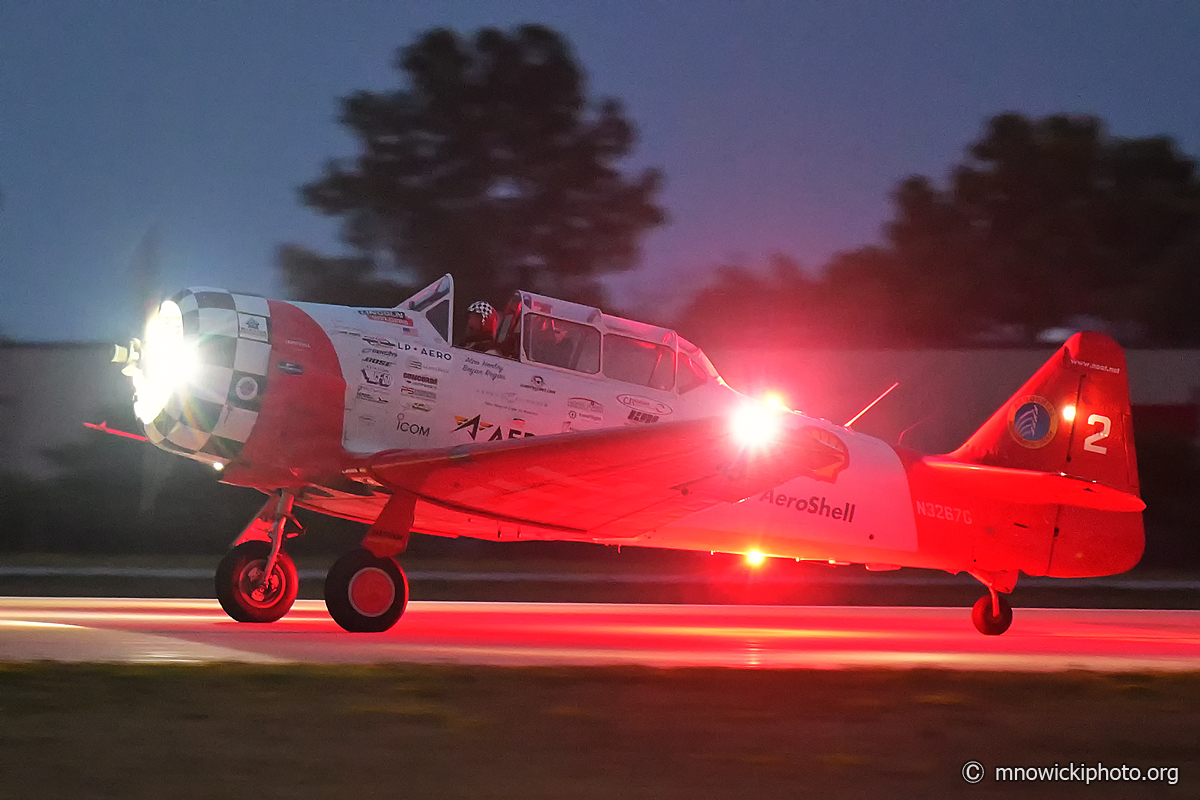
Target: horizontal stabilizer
[[1029, 486]]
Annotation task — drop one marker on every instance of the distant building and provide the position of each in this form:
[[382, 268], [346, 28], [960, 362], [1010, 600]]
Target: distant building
[[944, 395], [47, 391]]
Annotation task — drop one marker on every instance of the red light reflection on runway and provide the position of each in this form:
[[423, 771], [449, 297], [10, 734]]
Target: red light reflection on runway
[[657, 635]]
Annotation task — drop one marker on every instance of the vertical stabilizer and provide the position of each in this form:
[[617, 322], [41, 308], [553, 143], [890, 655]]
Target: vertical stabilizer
[[1072, 417]]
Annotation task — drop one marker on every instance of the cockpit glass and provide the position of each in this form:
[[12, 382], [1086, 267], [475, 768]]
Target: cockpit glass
[[561, 343], [636, 361], [691, 375]]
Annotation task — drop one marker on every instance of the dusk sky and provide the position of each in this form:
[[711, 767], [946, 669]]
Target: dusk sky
[[780, 126]]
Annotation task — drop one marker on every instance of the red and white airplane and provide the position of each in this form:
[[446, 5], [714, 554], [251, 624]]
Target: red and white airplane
[[577, 425]]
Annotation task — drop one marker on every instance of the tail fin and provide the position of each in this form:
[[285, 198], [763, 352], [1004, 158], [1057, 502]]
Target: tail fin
[[1072, 417]]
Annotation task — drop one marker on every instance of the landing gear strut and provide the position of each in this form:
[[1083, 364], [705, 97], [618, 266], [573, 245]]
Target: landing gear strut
[[256, 581]]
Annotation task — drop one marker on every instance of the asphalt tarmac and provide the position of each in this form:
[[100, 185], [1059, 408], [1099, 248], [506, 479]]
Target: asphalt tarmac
[[549, 634]]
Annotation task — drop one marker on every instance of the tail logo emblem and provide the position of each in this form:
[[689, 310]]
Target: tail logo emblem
[[1033, 421]]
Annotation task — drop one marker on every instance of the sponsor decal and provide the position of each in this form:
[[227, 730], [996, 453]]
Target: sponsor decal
[[424, 394], [642, 416], [370, 395], [819, 506], [377, 377], [419, 406], [378, 341], [411, 427], [822, 454], [379, 361], [1100, 367], [377, 352], [939, 511], [1032, 421], [414, 364], [252, 326], [246, 389], [491, 369], [584, 404], [646, 404], [440, 355], [290, 368], [298, 343], [474, 426], [420, 379], [538, 384], [387, 315]]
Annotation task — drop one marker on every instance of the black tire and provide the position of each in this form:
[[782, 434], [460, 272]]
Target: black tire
[[237, 580], [365, 594], [985, 622]]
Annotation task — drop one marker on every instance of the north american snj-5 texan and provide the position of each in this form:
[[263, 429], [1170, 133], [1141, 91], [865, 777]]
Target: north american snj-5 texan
[[565, 423]]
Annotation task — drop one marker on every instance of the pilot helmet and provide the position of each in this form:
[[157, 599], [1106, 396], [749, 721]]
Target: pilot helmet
[[487, 318], [482, 308]]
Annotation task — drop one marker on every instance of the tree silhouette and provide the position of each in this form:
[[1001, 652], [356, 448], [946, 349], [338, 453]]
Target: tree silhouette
[[490, 163], [1045, 222]]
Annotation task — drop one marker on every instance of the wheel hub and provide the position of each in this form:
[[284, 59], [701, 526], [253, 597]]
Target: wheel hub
[[257, 591], [371, 592]]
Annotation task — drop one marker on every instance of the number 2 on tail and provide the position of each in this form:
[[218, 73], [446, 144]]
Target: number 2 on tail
[[1090, 443]]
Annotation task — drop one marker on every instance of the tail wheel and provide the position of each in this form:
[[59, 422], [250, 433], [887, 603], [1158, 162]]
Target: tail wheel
[[365, 594], [243, 592], [987, 623]]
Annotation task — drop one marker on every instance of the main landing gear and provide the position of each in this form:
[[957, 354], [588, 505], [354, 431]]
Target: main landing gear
[[256, 581], [366, 591], [992, 614]]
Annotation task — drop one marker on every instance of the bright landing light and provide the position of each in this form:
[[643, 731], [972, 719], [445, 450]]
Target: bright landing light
[[1069, 413], [167, 362], [758, 423]]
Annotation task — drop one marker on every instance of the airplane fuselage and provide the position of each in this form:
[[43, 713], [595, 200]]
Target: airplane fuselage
[[406, 389]]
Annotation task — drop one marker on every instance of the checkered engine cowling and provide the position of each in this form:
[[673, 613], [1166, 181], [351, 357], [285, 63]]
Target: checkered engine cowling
[[211, 417]]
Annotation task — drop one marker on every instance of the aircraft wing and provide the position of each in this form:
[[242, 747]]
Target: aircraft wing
[[610, 483]]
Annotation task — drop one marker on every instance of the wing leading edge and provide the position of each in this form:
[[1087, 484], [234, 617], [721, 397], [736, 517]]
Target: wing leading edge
[[616, 483]]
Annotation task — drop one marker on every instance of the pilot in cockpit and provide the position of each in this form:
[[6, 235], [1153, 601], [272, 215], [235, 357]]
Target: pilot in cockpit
[[481, 328]]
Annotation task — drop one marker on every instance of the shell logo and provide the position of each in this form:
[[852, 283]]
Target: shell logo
[[823, 454]]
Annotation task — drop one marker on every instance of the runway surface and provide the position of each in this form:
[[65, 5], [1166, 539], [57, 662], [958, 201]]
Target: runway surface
[[512, 634]]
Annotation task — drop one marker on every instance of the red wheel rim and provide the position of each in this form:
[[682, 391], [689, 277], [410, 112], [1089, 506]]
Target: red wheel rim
[[371, 591]]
